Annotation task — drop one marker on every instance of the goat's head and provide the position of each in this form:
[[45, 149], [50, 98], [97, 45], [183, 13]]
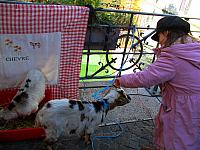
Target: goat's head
[[116, 97]]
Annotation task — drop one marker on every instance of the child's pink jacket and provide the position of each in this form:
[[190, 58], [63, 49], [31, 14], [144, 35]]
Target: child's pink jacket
[[177, 70]]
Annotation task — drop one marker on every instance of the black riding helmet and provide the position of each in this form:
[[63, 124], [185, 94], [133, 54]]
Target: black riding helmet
[[170, 22]]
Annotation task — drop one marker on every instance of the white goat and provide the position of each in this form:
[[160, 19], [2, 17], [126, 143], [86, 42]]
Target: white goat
[[27, 98], [64, 117]]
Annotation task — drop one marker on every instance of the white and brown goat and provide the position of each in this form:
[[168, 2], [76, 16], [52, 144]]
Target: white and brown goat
[[64, 117], [27, 98]]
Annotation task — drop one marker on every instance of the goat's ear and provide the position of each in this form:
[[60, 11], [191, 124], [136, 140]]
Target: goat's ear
[[123, 93], [120, 90]]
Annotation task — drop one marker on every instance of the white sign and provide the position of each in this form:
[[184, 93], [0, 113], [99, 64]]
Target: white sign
[[20, 53]]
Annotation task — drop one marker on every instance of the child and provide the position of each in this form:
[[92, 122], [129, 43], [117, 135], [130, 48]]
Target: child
[[177, 71]]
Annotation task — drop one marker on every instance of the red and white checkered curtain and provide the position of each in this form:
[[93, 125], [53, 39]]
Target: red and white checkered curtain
[[71, 21]]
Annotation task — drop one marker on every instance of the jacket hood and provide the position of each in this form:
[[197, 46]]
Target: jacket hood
[[189, 52]]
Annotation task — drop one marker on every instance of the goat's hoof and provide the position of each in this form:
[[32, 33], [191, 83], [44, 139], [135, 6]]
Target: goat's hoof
[[89, 146], [49, 143], [147, 148], [49, 147]]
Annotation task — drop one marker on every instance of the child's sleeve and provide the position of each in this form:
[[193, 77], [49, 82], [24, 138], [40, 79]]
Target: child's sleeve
[[162, 70]]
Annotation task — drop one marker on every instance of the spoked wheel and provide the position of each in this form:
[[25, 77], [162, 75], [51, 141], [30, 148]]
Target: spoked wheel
[[129, 49]]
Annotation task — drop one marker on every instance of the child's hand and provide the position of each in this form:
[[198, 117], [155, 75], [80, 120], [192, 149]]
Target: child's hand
[[117, 82]]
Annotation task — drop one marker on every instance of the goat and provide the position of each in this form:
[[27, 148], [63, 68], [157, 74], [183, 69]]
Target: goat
[[65, 117], [27, 98]]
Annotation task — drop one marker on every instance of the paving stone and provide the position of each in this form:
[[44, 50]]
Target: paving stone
[[136, 121]]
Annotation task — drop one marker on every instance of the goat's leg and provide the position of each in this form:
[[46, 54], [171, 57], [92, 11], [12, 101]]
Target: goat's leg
[[49, 144], [87, 142], [50, 147], [87, 139], [51, 138]]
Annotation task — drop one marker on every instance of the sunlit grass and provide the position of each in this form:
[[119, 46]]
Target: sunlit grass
[[96, 61]]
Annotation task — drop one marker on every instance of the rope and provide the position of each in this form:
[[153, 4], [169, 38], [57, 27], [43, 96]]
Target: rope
[[133, 38], [108, 137], [95, 95]]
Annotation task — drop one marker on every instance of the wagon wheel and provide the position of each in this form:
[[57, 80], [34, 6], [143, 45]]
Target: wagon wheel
[[128, 52]]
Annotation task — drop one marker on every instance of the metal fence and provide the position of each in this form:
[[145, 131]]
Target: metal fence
[[118, 49]]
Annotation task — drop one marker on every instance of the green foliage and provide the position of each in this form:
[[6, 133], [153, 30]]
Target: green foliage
[[113, 18], [94, 3], [94, 65], [102, 17]]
